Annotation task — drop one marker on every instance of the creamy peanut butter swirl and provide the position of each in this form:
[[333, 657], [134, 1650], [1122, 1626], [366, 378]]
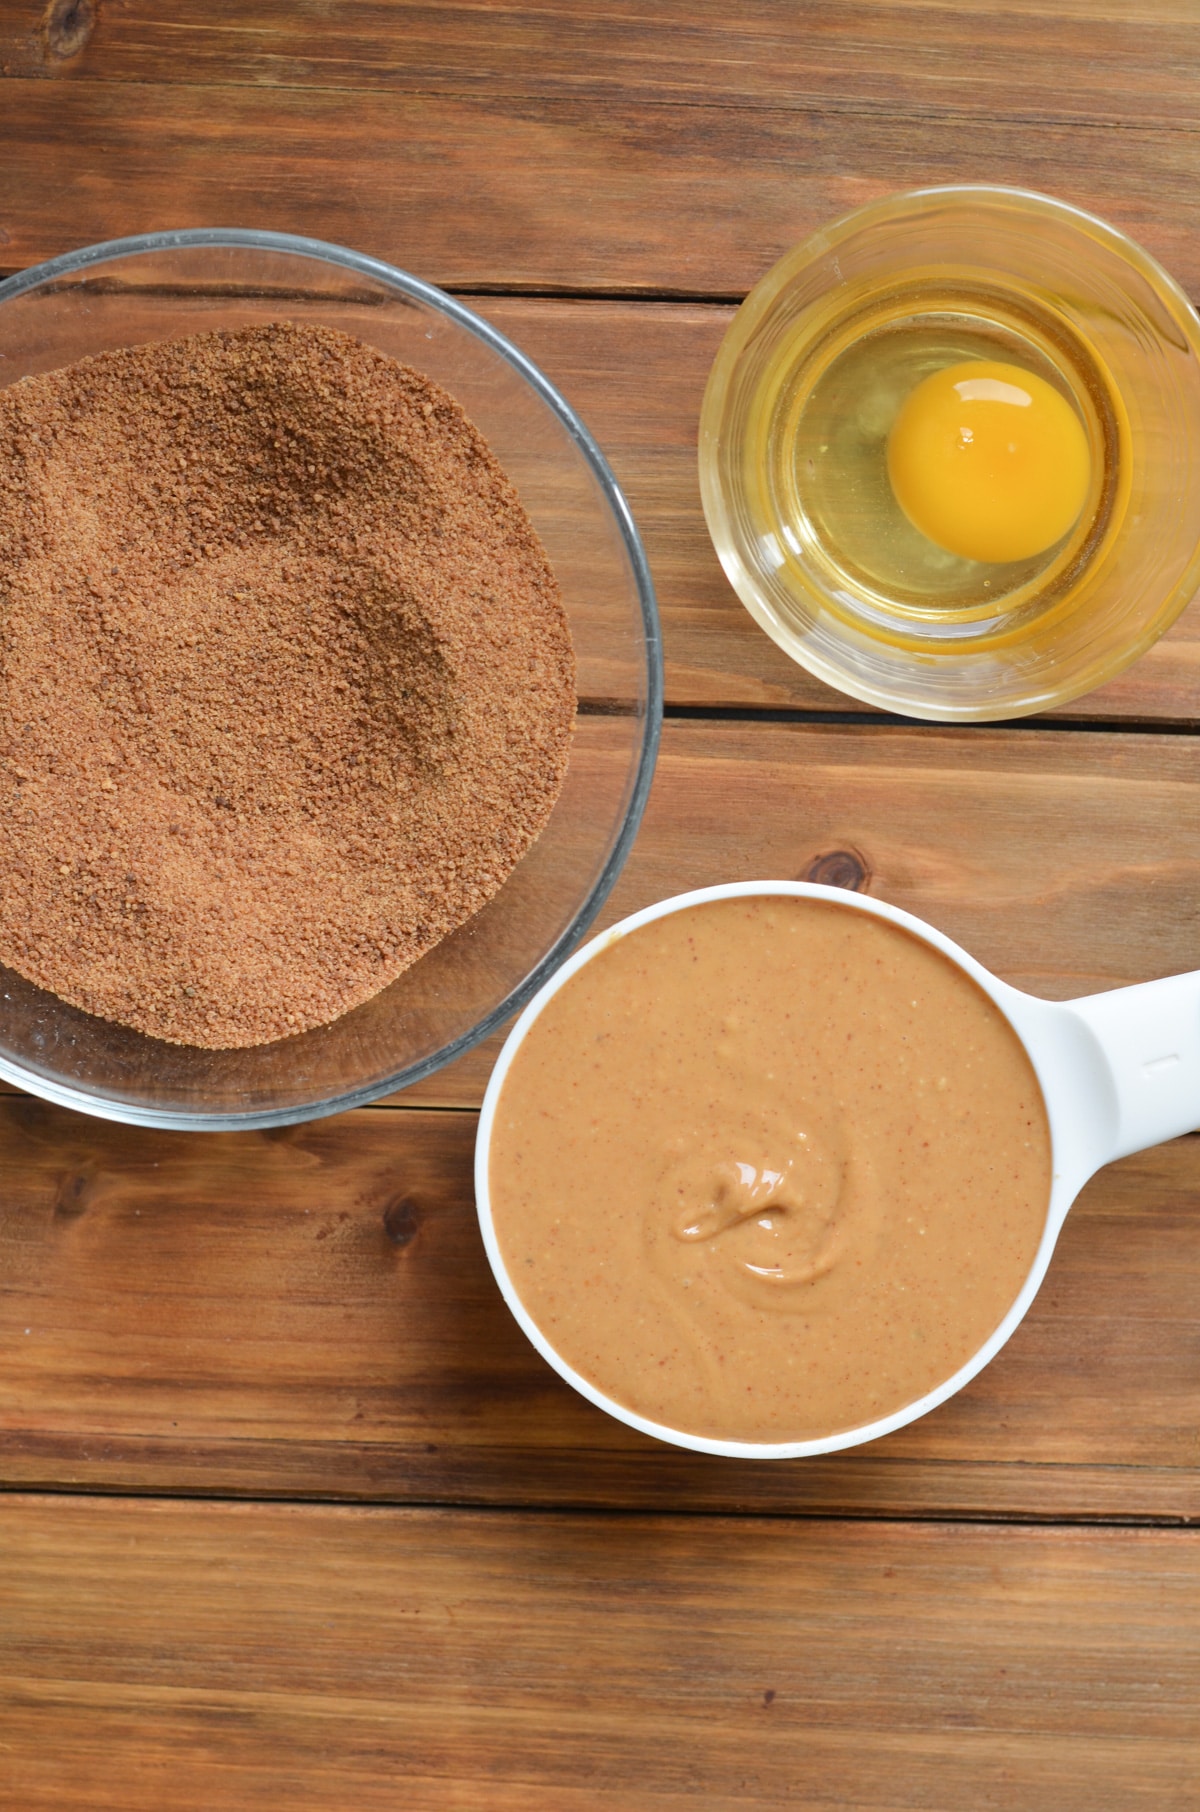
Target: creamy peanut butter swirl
[[769, 1168]]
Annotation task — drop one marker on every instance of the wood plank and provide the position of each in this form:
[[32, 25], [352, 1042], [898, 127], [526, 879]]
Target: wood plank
[[249, 1655], [692, 199], [636, 372], [1037, 60], [1064, 860], [308, 1312]]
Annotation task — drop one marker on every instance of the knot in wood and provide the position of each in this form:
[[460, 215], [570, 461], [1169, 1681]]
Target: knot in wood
[[73, 1196], [67, 26], [402, 1220], [839, 868]]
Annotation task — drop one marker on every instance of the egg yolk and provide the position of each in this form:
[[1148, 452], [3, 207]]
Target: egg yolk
[[989, 461]]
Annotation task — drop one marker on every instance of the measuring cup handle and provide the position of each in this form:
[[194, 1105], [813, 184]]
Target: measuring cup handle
[[1149, 1038]]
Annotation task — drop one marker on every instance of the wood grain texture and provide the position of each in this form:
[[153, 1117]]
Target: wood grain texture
[[313, 1657], [1067, 861], [259, 1331], [309, 1312], [685, 199], [636, 372], [1038, 60]]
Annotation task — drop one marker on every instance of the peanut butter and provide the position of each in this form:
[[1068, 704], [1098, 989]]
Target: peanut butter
[[769, 1168]]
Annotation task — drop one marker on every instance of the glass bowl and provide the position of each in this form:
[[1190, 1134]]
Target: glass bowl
[[165, 285], [794, 429]]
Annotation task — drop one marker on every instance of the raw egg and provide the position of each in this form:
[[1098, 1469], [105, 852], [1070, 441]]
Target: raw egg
[[989, 461]]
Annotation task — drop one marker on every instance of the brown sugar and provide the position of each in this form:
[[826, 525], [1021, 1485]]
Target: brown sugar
[[287, 686]]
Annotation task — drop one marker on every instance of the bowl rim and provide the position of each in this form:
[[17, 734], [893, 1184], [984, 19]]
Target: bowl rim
[[769, 293], [986, 195], [255, 239]]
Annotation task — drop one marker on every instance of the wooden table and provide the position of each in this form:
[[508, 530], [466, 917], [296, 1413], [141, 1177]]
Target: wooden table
[[294, 1517]]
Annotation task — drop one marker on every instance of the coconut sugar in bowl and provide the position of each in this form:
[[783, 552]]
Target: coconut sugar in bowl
[[242, 287]]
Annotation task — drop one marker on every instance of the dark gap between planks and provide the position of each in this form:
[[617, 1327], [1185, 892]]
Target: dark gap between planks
[[1181, 1525], [867, 719]]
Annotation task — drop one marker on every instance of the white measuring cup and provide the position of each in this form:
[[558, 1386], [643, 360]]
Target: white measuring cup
[[1118, 1072]]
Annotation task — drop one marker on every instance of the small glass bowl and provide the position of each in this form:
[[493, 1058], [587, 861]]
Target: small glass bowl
[[163, 286], [1013, 275]]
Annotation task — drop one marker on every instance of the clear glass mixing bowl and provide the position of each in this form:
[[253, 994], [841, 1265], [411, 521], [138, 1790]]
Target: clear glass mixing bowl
[[162, 286]]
